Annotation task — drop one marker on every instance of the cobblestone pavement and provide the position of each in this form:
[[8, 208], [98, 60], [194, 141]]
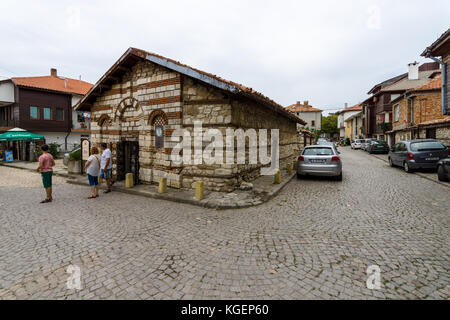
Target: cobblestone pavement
[[316, 239]]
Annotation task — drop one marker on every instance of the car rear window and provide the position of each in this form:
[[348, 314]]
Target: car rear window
[[379, 142], [359, 141], [318, 152], [427, 146]]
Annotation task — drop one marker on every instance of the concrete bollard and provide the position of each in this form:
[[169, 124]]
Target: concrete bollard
[[162, 185], [289, 168], [129, 183], [199, 190], [277, 178]]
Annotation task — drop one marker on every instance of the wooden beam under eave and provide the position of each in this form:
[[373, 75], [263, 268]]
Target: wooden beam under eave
[[125, 69]]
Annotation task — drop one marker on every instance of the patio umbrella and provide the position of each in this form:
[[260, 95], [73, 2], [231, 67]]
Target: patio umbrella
[[17, 134]]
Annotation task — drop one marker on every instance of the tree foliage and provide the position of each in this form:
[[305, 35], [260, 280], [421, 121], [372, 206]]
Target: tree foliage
[[330, 125]]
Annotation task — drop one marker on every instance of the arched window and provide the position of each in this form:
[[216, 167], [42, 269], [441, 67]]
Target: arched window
[[158, 124]]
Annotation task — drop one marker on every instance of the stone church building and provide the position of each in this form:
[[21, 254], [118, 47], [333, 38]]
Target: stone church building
[[143, 98]]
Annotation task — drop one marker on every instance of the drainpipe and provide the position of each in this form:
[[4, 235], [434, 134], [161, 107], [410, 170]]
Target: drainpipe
[[444, 81]]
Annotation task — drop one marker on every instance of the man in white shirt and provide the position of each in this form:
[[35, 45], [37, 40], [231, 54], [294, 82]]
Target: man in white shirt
[[106, 166]]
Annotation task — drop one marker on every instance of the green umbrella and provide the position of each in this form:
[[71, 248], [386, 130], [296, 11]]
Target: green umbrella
[[19, 135]]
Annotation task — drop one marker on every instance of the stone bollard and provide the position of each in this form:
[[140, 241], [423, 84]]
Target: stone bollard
[[162, 185], [129, 183], [289, 168], [199, 190], [277, 178]]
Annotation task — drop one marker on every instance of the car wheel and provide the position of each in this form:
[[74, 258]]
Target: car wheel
[[406, 167], [370, 151], [299, 176], [390, 162], [441, 174], [339, 177]]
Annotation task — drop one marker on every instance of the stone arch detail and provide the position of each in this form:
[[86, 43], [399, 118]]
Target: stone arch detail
[[104, 120], [126, 104], [155, 114]]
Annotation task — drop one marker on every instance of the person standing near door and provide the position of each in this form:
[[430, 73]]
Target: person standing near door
[[92, 168], [106, 167], [46, 164]]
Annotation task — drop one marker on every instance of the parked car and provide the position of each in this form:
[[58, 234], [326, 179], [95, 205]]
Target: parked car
[[417, 154], [443, 169], [357, 144], [328, 143], [378, 146], [320, 160], [366, 143]]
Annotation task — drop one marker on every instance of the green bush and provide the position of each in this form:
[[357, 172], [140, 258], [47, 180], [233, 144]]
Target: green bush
[[53, 150], [75, 155]]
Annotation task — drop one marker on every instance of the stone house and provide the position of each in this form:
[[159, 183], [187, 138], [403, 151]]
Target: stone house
[[312, 116], [418, 115], [140, 102]]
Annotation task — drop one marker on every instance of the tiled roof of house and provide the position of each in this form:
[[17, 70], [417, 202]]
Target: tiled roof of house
[[203, 76], [298, 107], [406, 84], [356, 107], [434, 84], [54, 83]]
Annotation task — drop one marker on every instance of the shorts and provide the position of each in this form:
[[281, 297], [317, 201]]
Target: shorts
[[47, 179], [105, 174], [93, 181]]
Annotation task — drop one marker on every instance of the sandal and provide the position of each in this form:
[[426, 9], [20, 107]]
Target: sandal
[[107, 191], [46, 201], [92, 197]]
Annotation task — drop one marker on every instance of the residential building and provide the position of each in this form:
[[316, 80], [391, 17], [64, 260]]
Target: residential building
[[344, 125], [43, 105], [353, 126], [377, 110], [311, 115], [144, 99], [441, 48], [418, 114]]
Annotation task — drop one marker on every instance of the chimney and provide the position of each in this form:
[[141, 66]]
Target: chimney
[[298, 102], [306, 103], [53, 72], [346, 105], [413, 71]]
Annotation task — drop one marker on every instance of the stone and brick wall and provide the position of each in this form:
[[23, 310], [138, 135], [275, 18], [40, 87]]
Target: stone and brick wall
[[149, 94]]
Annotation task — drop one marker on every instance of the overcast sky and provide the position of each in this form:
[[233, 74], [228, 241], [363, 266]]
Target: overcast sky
[[326, 52]]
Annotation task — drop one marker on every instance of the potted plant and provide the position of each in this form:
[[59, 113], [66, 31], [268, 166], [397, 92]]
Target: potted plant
[[74, 163]]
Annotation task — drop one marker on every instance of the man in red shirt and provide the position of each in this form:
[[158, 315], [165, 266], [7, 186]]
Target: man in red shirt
[[46, 164]]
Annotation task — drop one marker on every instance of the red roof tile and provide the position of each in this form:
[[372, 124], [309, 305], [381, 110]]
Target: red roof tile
[[356, 107], [434, 84], [54, 83], [298, 107]]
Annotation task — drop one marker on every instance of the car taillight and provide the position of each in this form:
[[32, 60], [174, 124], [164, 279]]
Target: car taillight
[[301, 159], [335, 159], [410, 156]]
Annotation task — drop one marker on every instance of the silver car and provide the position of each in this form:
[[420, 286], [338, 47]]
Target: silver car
[[320, 161]]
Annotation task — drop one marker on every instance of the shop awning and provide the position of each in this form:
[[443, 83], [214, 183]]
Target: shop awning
[[17, 134]]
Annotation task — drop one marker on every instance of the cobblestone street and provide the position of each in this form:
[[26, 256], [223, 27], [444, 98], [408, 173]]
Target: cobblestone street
[[315, 240]]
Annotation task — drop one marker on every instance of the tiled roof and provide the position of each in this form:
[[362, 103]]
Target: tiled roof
[[357, 107], [437, 121], [434, 84], [54, 83], [206, 77], [298, 107], [406, 84]]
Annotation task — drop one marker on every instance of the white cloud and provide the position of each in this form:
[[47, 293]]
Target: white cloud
[[326, 52]]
